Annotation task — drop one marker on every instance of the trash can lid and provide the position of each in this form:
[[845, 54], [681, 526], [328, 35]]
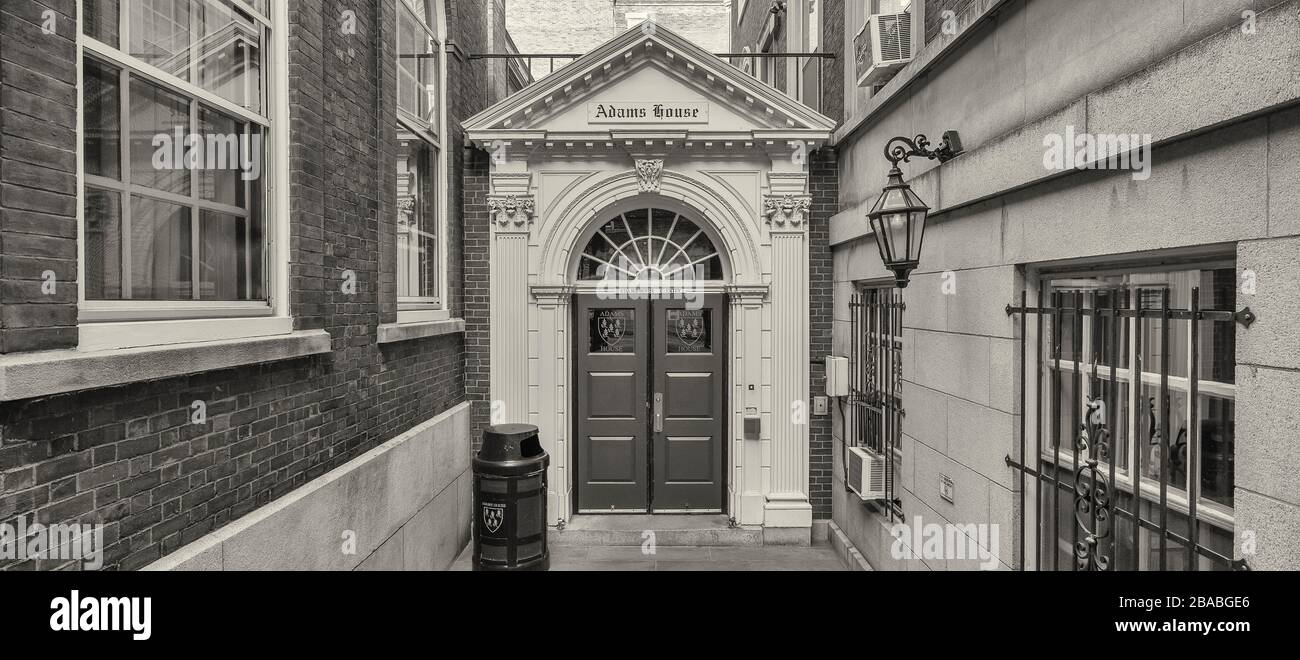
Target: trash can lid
[[510, 443], [510, 432]]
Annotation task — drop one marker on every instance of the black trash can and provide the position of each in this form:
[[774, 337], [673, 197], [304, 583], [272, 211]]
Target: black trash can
[[510, 500]]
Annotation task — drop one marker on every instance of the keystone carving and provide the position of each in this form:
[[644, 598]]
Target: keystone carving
[[649, 173]]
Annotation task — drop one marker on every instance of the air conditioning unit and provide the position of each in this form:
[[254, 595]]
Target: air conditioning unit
[[883, 46], [866, 473]]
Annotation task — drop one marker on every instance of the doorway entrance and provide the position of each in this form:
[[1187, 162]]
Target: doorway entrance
[[651, 404]]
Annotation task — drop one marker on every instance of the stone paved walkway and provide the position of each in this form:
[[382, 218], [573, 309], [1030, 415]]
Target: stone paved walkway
[[630, 558]]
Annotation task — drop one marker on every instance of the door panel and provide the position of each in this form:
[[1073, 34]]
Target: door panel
[[613, 421], [689, 363], [643, 449]]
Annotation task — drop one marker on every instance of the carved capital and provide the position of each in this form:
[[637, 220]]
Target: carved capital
[[649, 173], [511, 211], [787, 212]]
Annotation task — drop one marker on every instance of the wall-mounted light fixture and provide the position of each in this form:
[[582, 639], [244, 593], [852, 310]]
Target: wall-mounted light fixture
[[898, 217]]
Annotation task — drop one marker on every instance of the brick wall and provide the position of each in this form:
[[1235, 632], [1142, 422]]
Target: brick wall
[[130, 457], [38, 176], [579, 26], [703, 22], [749, 29], [823, 180], [833, 70], [465, 77], [478, 286]]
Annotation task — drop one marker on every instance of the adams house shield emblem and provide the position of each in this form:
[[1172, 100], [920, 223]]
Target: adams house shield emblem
[[612, 329], [690, 328], [493, 515]]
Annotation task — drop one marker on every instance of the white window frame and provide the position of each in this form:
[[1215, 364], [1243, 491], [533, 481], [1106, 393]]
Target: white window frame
[[108, 325], [1208, 511], [430, 308], [766, 66]]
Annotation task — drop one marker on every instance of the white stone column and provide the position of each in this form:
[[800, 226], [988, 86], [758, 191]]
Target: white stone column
[[786, 210], [512, 221], [550, 396], [748, 498]]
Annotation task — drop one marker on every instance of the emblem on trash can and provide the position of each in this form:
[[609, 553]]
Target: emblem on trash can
[[493, 514]]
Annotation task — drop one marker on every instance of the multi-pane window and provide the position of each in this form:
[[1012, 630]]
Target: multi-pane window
[[650, 244], [419, 157], [175, 127], [1144, 349]]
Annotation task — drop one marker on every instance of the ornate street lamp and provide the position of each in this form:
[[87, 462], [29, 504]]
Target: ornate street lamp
[[898, 217]]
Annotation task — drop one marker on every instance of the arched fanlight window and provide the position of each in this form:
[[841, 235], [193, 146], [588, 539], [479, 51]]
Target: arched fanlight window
[[650, 244]]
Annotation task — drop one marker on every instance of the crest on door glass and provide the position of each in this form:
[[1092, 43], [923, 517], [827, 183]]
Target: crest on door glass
[[690, 331], [612, 330]]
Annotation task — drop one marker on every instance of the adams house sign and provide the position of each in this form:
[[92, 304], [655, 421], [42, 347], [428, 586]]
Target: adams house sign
[[648, 112]]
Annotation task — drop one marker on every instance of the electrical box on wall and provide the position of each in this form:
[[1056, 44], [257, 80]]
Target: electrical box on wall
[[837, 376]]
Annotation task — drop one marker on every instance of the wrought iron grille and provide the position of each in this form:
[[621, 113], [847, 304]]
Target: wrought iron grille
[[1076, 466], [874, 418]]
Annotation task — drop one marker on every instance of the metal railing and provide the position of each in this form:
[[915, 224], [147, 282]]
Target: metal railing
[[806, 72]]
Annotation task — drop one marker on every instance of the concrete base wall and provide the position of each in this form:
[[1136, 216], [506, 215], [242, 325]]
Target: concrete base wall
[[401, 506]]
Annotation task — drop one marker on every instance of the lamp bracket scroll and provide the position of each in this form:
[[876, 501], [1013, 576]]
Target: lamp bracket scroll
[[902, 149]]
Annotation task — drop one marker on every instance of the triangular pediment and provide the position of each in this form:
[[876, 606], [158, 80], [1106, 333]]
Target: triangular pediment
[[648, 82]]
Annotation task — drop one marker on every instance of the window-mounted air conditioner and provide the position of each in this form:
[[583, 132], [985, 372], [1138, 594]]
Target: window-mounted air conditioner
[[883, 46], [866, 473]]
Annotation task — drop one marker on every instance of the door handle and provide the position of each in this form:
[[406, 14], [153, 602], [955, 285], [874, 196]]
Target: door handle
[[659, 412]]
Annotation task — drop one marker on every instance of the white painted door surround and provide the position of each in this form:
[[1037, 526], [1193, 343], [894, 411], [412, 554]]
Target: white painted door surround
[[651, 120]]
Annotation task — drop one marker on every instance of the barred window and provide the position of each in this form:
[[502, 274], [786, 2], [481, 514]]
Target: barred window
[[873, 417], [1111, 344]]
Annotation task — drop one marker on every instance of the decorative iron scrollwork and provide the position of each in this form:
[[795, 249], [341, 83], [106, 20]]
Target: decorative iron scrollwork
[[901, 149], [1092, 490]]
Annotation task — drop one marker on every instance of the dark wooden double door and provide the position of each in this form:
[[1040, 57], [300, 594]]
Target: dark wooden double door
[[651, 405]]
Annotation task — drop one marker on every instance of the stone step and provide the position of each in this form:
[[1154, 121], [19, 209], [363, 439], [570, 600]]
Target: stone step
[[669, 531]]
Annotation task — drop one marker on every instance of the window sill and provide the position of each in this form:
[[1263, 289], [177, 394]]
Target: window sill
[[415, 314], [31, 375], [392, 333], [94, 337]]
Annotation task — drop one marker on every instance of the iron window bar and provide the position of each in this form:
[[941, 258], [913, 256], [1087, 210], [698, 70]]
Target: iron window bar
[[1094, 488], [875, 401]]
